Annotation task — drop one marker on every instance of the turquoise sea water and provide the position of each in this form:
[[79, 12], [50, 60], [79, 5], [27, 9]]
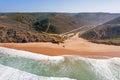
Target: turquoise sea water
[[75, 67]]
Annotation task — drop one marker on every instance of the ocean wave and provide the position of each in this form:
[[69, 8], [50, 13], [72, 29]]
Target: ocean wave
[[76, 67], [8, 73], [29, 55]]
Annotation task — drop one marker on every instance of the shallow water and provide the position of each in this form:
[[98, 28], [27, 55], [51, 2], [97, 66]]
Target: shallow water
[[75, 67]]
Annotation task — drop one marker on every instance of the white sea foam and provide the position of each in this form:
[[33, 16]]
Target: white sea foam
[[8, 73], [104, 69], [30, 55], [80, 67]]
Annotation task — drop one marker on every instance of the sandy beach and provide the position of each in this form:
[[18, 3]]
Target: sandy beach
[[72, 46]]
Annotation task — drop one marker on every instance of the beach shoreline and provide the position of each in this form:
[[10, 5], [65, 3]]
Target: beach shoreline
[[57, 50], [71, 46]]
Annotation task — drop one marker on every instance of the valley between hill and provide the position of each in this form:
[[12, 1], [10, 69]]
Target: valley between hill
[[37, 32]]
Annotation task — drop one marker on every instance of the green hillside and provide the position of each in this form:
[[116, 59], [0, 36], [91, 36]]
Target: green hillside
[[58, 23], [46, 27], [36, 27], [108, 33], [21, 31]]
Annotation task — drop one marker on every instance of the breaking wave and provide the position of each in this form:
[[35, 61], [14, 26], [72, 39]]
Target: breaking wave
[[7, 73], [74, 67]]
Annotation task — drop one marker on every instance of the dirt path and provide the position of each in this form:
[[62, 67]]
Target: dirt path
[[79, 44]]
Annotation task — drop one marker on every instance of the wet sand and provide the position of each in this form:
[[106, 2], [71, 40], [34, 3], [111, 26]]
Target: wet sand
[[72, 46]]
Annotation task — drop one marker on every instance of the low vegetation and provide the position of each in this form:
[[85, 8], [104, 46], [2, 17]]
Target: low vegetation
[[108, 33], [11, 35], [114, 41], [18, 28], [46, 27]]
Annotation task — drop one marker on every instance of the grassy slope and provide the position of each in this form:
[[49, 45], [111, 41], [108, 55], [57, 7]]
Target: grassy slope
[[19, 27], [60, 23], [16, 31], [114, 41], [108, 33]]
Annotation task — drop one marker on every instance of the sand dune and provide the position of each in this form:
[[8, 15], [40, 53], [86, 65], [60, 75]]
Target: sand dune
[[72, 46]]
